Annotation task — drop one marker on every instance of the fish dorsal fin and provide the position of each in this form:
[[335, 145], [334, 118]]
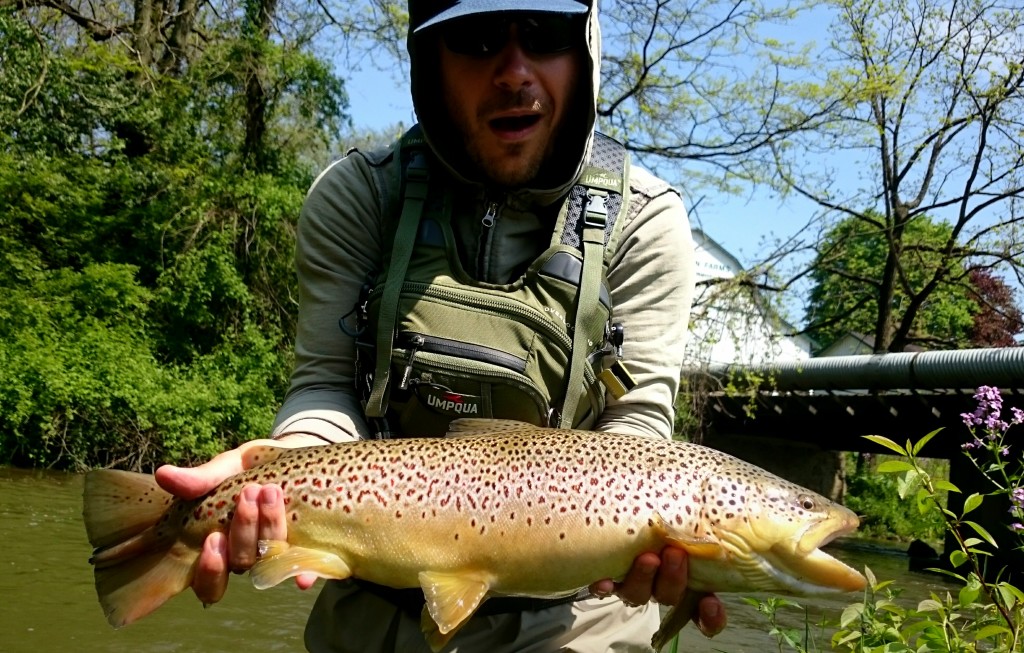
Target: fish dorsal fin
[[698, 544], [261, 455], [452, 598], [480, 426]]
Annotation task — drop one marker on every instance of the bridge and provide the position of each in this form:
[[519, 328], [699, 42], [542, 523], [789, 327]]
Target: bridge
[[832, 402]]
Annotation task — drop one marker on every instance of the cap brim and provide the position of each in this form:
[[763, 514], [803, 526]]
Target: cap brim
[[470, 7]]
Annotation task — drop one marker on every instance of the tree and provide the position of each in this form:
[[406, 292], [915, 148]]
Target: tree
[[847, 282], [931, 123], [146, 220], [998, 318]]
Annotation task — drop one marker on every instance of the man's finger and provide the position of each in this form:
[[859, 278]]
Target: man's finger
[[244, 530], [194, 482], [670, 583], [636, 587], [272, 525], [710, 617], [211, 579]]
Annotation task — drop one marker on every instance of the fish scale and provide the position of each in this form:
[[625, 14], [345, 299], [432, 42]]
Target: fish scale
[[499, 508]]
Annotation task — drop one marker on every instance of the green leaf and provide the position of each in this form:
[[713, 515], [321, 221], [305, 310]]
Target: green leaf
[[891, 466], [1010, 594], [972, 502], [929, 605], [991, 631], [941, 484], [907, 483], [970, 592], [983, 533], [887, 443], [923, 441], [851, 614], [957, 558]]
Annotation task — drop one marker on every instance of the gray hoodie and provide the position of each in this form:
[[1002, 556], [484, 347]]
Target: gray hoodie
[[343, 236]]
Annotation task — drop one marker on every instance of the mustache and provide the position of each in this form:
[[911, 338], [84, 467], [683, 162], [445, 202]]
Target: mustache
[[523, 99]]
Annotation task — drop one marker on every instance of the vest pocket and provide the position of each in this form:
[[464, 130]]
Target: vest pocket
[[438, 380]]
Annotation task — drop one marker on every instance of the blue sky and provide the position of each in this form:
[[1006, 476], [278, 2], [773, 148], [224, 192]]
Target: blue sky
[[739, 223]]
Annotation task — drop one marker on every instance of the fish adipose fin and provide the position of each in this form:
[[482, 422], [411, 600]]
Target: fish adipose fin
[[139, 563], [451, 601], [280, 561]]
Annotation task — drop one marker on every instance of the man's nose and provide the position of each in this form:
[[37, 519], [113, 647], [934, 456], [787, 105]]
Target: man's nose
[[514, 67]]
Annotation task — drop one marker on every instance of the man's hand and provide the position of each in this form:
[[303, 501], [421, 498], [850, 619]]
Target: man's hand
[[259, 515], [663, 578]]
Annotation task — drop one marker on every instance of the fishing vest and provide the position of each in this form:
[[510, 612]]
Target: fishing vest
[[434, 345]]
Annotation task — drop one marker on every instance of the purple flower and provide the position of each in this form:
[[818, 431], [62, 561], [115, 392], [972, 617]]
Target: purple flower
[[1017, 496], [1017, 526], [1005, 452], [1018, 415]]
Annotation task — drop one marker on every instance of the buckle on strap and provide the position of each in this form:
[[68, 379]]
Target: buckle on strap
[[595, 215]]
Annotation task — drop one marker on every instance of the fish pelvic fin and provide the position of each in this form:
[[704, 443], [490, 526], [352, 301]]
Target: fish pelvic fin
[[678, 616], [280, 561], [451, 600], [139, 562]]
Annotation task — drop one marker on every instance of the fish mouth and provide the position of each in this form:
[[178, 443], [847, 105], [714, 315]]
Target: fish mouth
[[813, 571]]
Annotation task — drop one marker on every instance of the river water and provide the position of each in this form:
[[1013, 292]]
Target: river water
[[48, 603]]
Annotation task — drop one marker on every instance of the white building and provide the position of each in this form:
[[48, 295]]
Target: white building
[[731, 322]]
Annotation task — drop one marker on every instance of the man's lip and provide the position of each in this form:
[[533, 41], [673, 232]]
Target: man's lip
[[514, 125]]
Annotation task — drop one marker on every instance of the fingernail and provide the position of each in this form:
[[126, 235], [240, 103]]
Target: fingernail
[[671, 562], [648, 568], [217, 543], [270, 495], [250, 493]]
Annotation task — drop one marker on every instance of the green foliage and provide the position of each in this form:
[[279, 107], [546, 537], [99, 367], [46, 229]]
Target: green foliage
[[869, 493], [987, 613], [147, 266], [848, 272]]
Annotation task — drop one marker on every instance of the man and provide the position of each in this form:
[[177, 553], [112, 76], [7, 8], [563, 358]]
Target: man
[[505, 92]]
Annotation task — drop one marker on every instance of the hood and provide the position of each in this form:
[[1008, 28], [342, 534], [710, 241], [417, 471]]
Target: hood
[[577, 133]]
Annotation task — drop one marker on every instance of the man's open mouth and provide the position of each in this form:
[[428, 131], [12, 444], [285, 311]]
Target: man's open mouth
[[514, 123]]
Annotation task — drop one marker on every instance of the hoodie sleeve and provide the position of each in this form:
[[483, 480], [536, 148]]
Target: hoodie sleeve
[[338, 244], [651, 275]]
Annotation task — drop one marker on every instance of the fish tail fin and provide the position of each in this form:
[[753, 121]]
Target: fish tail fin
[[139, 560]]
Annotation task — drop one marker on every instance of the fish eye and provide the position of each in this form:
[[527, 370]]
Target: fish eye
[[806, 502]]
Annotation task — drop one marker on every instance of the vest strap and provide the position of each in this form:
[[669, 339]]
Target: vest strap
[[587, 299], [416, 189]]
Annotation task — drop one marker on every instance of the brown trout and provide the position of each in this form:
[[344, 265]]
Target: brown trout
[[495, 509]]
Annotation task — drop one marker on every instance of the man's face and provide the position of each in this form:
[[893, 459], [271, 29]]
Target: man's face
[[508, 84]]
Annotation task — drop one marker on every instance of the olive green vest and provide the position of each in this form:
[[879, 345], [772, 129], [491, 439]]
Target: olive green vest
[[438, 345]]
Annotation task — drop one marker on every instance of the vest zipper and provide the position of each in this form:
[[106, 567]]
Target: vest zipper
[[532, 316], [490, 217]]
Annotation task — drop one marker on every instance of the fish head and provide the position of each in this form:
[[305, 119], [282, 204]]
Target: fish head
[[773, 530]]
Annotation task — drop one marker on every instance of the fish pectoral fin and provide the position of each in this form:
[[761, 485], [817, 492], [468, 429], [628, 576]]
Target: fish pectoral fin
[[452, 598], [699, 544], [280, 561]]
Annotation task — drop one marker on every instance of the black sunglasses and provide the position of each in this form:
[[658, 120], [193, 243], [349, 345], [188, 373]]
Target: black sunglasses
[[484, 35]]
